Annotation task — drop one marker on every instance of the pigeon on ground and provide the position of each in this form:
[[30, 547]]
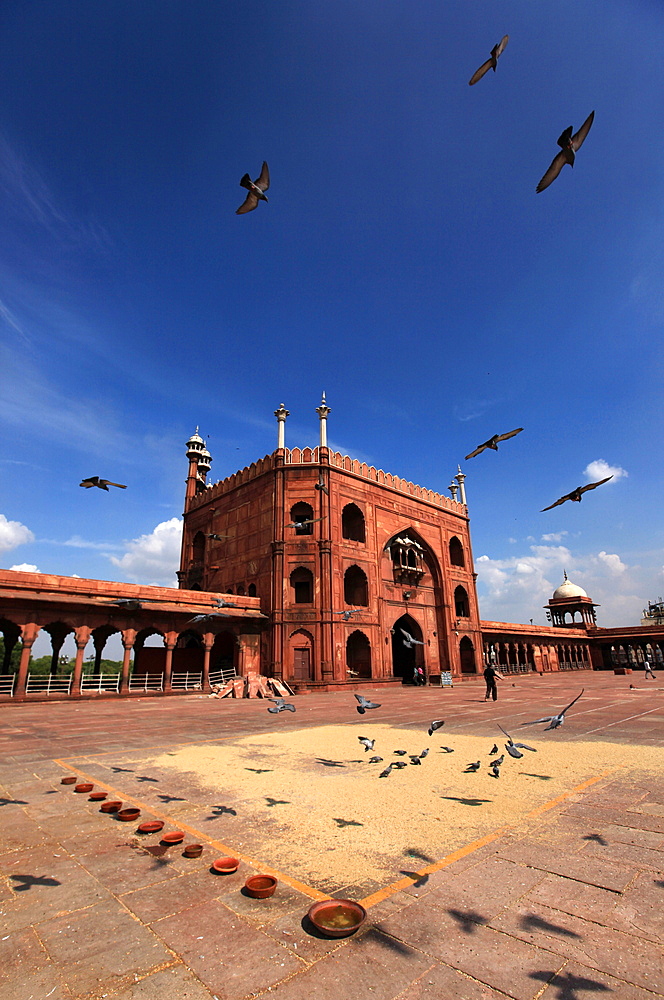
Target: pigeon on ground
[[554, 720], [408, 640], [424, 753], [493, 442], [102, 484], [448, 749], [374, 760], [364, 704], [497, 762], [280, 705], [576, 494], [256, 189], [384, 774], [399, 764], [491, 62], [473, 767], [401, 753], [414, 759], [493, 750], [435, 725], [495, 770], [569, 145], [366, 743]]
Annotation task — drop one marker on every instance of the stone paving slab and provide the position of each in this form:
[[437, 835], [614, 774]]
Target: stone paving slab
[[499, 921]]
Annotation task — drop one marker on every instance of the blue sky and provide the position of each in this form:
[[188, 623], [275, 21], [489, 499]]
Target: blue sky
[[403, 263]]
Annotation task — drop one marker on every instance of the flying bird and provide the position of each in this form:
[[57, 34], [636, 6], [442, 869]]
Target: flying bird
[[408, 640], [209, 617], [256, 189], [555, 720], [473, 767], [280, 705], [301, 524], [569, 145], [576, 494], [493, 442], [217, 538], [221, 603], [346, 614], [436, 724], [366, 743], [491, 62], [320, 485], [514, 749], [102, 484], [364, 704]]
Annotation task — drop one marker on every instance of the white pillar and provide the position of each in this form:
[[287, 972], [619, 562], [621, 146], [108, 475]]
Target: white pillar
[[281, 415], [461, 478], [322, 412]]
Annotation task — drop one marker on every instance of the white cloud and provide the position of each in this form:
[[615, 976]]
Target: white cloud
[[154, 558], [13, 533], [554, 536], [24, 568], [517, 588], [599, 469]]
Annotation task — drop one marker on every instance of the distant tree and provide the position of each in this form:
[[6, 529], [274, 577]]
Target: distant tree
[[15, 658], [105, 666]]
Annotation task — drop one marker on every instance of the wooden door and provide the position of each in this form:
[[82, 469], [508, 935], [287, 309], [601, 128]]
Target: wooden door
[[302, 663]]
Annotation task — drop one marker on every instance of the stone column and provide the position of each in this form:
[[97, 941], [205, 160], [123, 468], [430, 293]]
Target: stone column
[[461, 479], [29, 634], [208, 643], [82, 634], [323, 410], [281, 415], [128, 640], [170, 641]]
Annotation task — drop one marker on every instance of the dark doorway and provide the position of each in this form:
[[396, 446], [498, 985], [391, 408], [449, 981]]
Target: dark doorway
[[467, 656], [358, 655], [406, 659]]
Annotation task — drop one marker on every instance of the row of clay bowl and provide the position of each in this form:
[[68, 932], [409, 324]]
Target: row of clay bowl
[[257, 886]]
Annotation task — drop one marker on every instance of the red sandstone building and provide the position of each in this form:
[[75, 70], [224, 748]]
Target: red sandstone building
[[311, 567]]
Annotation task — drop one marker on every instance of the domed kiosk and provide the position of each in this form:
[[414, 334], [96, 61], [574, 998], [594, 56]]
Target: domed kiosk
[[570, 599]]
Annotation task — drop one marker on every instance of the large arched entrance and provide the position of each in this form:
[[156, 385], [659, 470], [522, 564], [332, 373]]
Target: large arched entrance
[[406, 657]]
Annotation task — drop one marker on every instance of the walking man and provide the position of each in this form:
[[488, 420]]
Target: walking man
[[649, 671], [490, 675]]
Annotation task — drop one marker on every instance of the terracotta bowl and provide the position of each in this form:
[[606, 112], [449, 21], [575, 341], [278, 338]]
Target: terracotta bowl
[[128, 815], [69, 781], [193, 851], [98, 796], [111, 806], [260, 886], [153, 826], [337, 918], [173, 838], [225, 866], [84, 788]]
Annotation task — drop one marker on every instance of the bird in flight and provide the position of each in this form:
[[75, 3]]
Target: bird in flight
[[555, 720], [346, 614], [221, 603], [493, 442], [514, 749], [208, 617], [408, 640], [217, 538], [102, 484], [301, 524], [491, 62], [366, 743], [320, 485], [436, 724], [569, 145], [256, 189], [280, 705], [576, 494], [364, 704]]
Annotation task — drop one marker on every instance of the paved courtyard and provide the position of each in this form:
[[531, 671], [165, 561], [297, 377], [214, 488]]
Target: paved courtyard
[[548, 882]]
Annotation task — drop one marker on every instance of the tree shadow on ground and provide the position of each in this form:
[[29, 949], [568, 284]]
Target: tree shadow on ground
[[568, 984]]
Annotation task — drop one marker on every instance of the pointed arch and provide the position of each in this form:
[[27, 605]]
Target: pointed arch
[[358, 654], [352, 523]]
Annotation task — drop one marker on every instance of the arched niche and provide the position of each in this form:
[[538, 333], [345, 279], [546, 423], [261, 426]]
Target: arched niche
[[299, 513], [456, 552], [352, 523], [358, 655], [356, 587], [461, 608], [302, 585], [467, 656]]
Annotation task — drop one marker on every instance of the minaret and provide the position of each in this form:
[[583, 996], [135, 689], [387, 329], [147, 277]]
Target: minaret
[[461, 478], [454, 489], [204, 463], [195, 450], [322, 412], [281, 415]]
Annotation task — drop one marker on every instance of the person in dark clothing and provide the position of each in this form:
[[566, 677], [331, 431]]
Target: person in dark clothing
[[490, 675]]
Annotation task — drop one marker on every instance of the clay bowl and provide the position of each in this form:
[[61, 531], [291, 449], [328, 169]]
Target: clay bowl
[[153, 826], [128, 815], [337, 918], [98, 796], [193, 851], [173, 838], [225, 866], [69, 781], [87, 787], [111, 806], [260, 886]]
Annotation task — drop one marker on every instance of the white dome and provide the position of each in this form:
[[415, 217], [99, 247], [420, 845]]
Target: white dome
[[568, 590]]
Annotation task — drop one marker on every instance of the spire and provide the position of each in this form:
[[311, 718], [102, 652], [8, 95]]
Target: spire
[[281, 415], [322, 412], [461, 478]]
